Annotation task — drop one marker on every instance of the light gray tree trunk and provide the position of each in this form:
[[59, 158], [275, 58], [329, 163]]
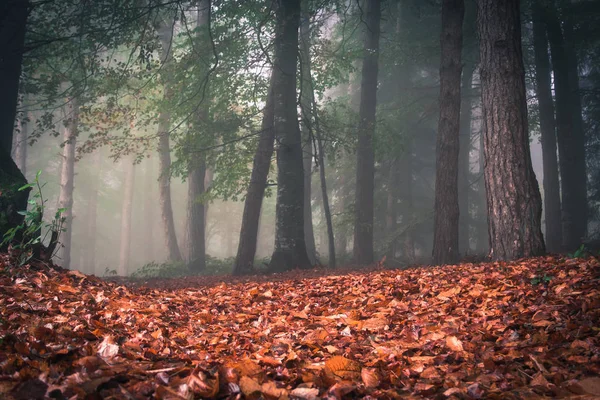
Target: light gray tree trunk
[[126, 213], [67, 175]]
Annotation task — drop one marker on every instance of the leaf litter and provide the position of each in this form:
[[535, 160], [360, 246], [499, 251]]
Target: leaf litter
[[470, 331]]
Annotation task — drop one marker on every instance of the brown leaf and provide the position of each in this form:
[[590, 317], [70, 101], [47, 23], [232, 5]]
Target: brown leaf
[[249, 385], [343, 368], [370, 377], [453, 343]]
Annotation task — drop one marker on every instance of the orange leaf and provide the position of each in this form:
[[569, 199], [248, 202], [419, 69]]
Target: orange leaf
[[370, 377], [453, 343]]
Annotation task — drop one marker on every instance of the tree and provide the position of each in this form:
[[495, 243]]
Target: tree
[[244, 260], [126, 212], [445, 236], [513, 199], [67, 176], [197, 172], [543, 88], [164, 29], [12, 46], [365, 159], [290, 246], [571, 143]]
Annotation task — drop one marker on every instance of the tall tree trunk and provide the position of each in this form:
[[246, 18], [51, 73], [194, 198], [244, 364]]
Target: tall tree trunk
[[464, 164], [13, 20], [92, 214], [67, 175], [580, 218], [197, 173], [244, 260], [571, 146], [165, 34], [483, 242], [126, 212], [306, 101], [445, 236], [513, 197], [290, 246], [365, 158], [543, 87], [149, 209]]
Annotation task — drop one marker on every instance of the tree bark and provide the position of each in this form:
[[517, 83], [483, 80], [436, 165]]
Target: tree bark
[[543, 87], [365, 158], [513, 197], [244, 260], [445, 236], [290, 245], [464, 163], [306, 100], [13, 23], [126, 212], [165, 34], [197, 173], [20, 141], [65, 199], [571, 144]]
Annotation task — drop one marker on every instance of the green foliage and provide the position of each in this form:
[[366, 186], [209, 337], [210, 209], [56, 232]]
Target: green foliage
[[34, 231], [541, 279], [579, 253], [214, 267]]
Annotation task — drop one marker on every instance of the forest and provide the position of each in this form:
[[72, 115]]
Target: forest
[[303, 199]]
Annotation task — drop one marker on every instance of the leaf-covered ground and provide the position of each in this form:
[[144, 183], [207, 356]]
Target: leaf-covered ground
[[528, 329]]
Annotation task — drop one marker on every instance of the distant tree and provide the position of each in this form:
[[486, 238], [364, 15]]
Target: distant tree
[[569, 132], [543, 88], [513, 197], [126, 215], [365, 158], [290, 246], [445, 236]]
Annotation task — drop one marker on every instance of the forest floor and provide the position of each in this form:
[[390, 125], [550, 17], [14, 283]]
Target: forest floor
[[527, 329]]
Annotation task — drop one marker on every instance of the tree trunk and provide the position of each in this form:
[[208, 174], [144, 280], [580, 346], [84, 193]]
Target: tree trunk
[[244, 260], [92, 213], [580, 218], [149, 209], [365, 159], [67, 175], [165, 33], [126, 212], [571, 146], [12, 46], [513, 197], [306, 101], [196, 216], [483, 242], [197, 173], [543, 87], [445, 236], [290, 246], [464, 163], [20, 142]]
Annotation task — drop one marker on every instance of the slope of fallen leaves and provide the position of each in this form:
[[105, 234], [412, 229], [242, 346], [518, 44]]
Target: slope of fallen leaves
[[529, 329]]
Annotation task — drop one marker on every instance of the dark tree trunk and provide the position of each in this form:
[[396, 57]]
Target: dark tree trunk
[[483, 241], [290, 246], [126, 212], [65, 199], [571, 146], [543, 87], [464, 173], [196, 216], [197, 174], [165, 34], [13, 20], [306, 101], [244, 260], [513, 197], [445, 236], [365, 159]]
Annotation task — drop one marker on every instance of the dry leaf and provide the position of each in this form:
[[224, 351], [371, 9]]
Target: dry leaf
[[453, 343]]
